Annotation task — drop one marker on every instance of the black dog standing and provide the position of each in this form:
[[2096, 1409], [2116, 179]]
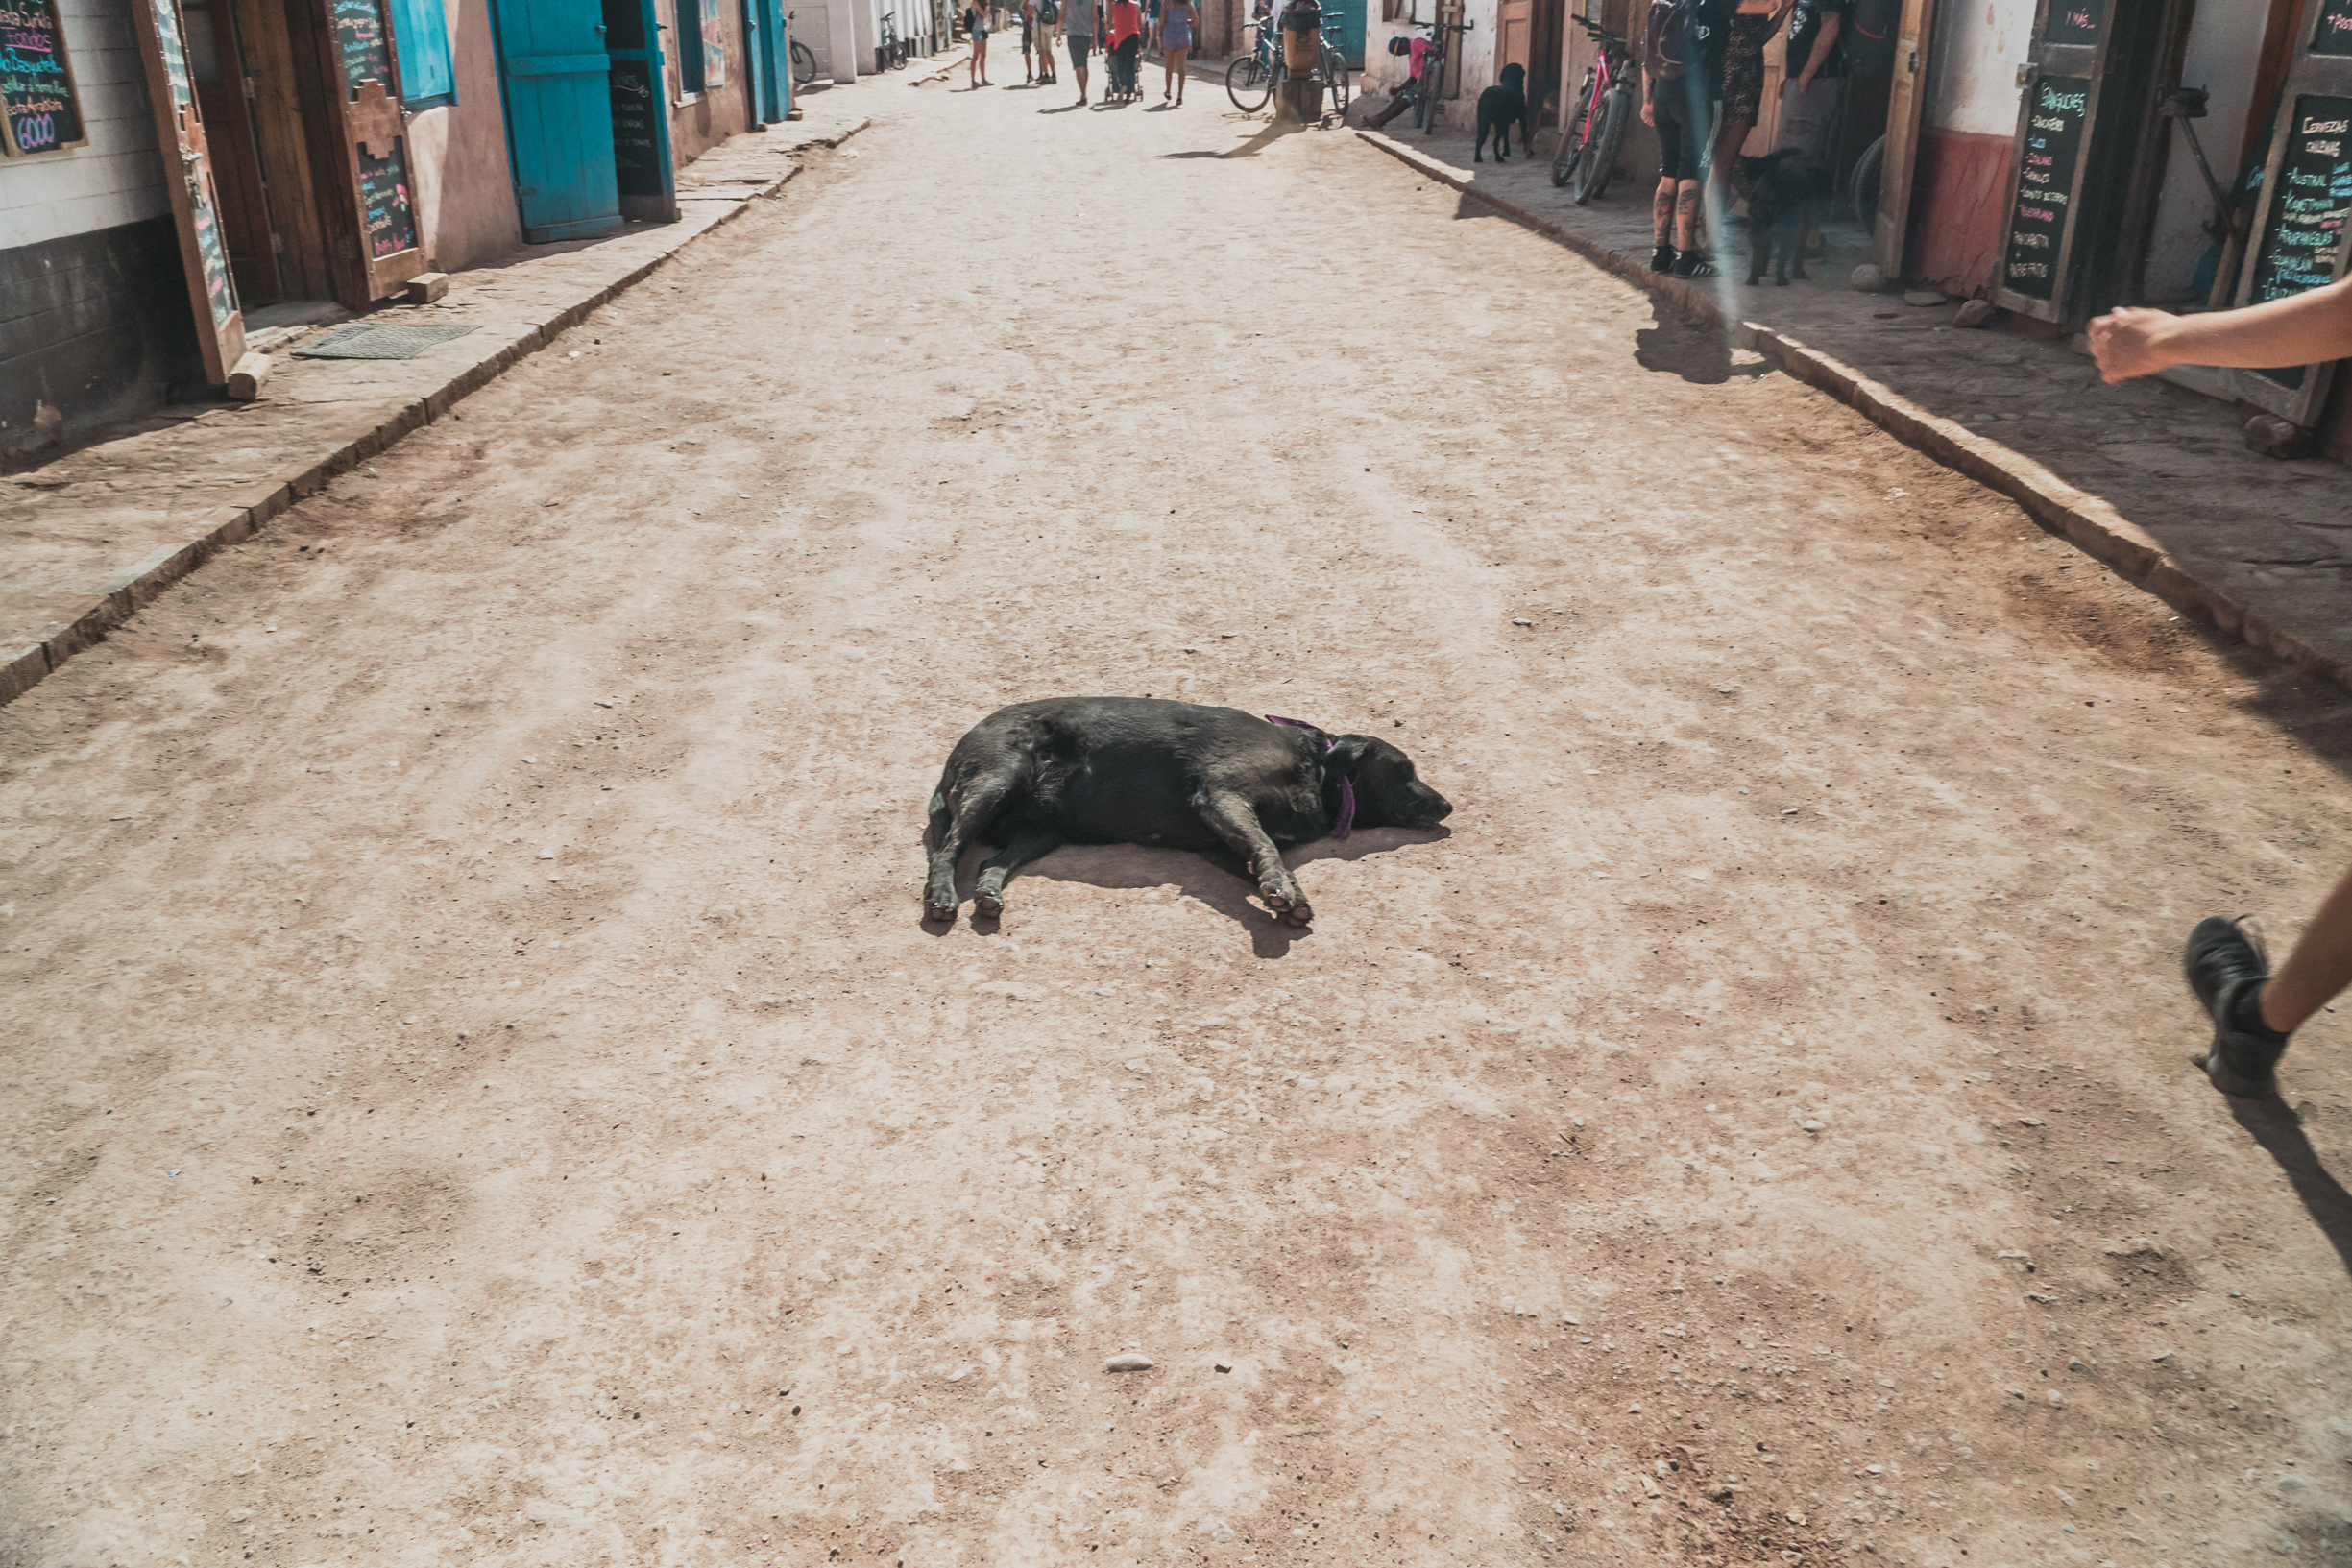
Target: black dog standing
[[1501, 107], [1142, 770], [1787, 192]]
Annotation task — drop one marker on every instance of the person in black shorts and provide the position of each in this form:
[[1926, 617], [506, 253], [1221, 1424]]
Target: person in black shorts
[[1752, 27], [1678, 71]]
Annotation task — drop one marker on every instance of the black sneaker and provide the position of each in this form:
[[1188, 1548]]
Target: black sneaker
[[1662, 259], [2226, 969], [1693, 264]]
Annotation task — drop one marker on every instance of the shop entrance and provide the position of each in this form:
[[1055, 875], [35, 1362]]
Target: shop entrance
[[283, 117]]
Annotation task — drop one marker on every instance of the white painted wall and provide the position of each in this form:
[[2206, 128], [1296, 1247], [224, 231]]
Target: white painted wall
[[1973, 64], [839, 57], [118, 177], [1476, 72], [2224, 47]]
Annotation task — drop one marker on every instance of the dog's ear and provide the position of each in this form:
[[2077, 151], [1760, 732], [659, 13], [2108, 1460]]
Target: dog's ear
[[1346, 752]]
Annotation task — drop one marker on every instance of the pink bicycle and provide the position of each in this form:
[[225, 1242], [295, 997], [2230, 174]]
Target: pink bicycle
[[1588, 155]]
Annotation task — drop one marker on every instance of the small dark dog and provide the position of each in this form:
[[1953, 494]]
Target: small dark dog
[[1501, 107], [1787, 192]]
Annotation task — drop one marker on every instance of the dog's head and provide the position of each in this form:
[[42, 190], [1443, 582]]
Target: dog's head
[[1514, 77], [1389, 793]]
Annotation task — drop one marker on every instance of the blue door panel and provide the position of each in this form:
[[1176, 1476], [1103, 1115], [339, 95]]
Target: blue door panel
[[559, 115]]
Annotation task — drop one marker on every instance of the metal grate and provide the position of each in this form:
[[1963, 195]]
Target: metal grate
[[364, 342]]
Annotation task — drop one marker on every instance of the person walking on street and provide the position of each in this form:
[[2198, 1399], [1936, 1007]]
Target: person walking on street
[[976, 29], [1048, 15], [1680, 62], [1176, 46], [1029, 40], [1078, 33], [2253, 1011]]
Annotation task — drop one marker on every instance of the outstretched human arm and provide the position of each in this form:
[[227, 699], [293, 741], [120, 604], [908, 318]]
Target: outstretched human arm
[[2308, 329]]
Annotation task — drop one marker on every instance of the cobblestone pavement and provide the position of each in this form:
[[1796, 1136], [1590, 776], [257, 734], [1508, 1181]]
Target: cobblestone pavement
[[481, 1090]]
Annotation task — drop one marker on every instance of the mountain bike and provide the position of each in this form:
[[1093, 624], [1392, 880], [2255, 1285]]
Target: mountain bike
[[804, 58], [1249, 81], [1432, 91], [1587, 152]]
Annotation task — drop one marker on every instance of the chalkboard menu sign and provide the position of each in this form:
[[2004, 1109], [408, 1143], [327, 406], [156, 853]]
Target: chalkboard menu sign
[[2302, 244], [203, 214], [39, 110], [636, 150], [2045, 184], [384, 207], [2334, 35], [359, 40], [2074, 23]]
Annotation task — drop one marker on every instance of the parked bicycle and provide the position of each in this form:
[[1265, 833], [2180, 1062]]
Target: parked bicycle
[[1249, 81], [804, 58], [1432, 91], [892, 53], [1587, 152]]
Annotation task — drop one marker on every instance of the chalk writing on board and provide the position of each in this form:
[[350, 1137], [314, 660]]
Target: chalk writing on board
[[2074, 23], [637, 154], [359, 41], [2048, 158], [384, 208], [2334, 34], [714, 47], [39, 110], [2302, 244]]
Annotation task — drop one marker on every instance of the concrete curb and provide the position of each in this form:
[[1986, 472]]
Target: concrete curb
[[24, 666], [2090, 523]]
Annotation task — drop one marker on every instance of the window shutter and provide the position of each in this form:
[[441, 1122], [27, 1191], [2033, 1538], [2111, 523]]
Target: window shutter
[[422, 31]]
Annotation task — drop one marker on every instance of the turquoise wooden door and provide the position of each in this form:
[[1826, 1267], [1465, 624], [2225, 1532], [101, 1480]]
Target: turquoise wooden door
[[559, 115], [771, 63]]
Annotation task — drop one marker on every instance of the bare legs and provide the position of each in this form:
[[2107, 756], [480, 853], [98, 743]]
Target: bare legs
[[1174, 60], [2320, 967]]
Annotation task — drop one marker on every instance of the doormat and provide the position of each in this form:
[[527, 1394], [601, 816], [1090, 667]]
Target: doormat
[[364, 342]]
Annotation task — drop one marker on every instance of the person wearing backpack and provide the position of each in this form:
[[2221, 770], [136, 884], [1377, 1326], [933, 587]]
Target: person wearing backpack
[[1049, 18], [1682, 68]]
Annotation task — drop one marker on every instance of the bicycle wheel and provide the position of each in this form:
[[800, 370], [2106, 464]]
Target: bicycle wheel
[[804, 64], [1867, 173], [898, 56], [1571, 146], [1335, 79], [1600, 158], [1433, 76], [1248, 83]]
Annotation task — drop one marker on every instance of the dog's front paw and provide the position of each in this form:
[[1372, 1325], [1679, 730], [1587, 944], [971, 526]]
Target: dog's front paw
[[943, 915], [987, 904]]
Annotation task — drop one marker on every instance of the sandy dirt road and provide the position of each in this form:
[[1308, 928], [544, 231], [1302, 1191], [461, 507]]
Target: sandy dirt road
[[479, 1091]]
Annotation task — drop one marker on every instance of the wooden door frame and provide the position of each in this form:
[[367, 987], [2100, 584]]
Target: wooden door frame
[[187, 177], [1905, 105]]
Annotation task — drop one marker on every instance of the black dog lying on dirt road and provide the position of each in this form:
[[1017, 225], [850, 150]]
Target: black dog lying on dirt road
[[1787, 192], [1500, 108], [1143, 770]]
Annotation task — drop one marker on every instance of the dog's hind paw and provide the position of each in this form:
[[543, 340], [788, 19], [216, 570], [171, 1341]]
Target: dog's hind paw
[[932, 912], [987, 906], [1301, 913]]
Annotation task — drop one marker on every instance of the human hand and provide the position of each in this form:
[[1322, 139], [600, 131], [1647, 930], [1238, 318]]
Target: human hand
[[2129, 342], [1649, 114]]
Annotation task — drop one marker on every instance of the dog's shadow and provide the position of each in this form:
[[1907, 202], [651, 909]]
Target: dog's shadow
[[1701, 355], [1215, 877]]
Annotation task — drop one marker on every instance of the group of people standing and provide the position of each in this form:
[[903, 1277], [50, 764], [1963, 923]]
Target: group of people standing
[[1123, 26], [1703, 89]]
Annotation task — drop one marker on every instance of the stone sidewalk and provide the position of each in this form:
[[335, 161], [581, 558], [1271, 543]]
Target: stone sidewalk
[[95, 533], [2153, 478]]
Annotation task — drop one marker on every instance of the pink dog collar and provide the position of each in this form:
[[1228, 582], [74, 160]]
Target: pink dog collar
[[1347, 785]]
